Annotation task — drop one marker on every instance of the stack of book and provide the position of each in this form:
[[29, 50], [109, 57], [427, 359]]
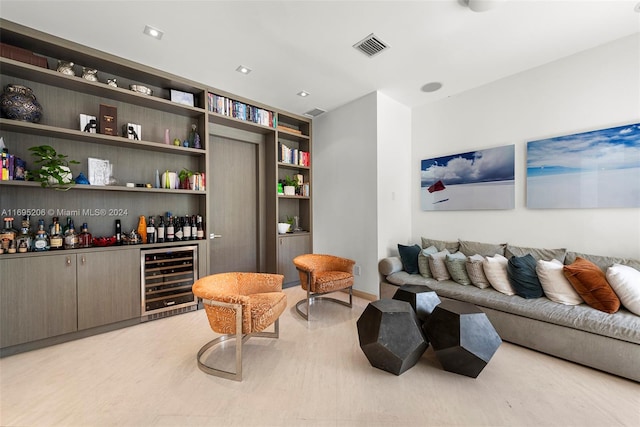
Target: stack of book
[[239, 110], [293, 156]]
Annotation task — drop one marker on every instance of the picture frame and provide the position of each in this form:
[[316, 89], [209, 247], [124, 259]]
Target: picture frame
[[99, 171], [594, 169], [482, 179], [183, 98]]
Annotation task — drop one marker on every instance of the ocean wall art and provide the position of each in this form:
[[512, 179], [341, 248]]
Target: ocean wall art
[[597, 169]]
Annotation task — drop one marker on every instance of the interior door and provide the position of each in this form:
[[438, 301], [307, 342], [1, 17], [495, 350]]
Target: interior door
[[234, 203]]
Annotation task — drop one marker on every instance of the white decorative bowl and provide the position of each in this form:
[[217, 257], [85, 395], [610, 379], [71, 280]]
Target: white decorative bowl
[[283, 227]]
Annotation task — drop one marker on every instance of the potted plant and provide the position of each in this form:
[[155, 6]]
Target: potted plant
[[54, 168], [185, 178], [290, 184]]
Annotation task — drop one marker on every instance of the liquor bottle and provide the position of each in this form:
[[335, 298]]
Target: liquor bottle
[[179, 232], [56, 239], [71, 237], [161, 231], [142, 229], [118, 232], [151, 230], [8, 234], [170, 230], [85, 239], [186, 229], [41, 241], [194, 228], [24, 239], [65, 229], [200, 228], [52, 225]]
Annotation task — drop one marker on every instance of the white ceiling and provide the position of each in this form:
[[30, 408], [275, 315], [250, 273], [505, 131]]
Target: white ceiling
[[307, 45]]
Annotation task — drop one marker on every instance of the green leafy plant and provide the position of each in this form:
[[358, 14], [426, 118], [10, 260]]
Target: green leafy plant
[[290, 221], [185, 174], [290, 181], [54, 168]]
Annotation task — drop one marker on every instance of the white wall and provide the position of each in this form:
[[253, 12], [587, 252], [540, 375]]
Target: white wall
[[361, 201], [595, 89], [344, 185]]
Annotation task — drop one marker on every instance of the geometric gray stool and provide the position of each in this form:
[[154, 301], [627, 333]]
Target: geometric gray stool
[[422, 298], [462, 336], [390, 335]]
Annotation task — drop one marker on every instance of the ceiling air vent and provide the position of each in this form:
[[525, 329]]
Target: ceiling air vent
[[371, 45], [315, 112]]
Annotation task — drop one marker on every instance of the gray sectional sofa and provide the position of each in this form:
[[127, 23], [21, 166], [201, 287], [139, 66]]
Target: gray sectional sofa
[[578, 333]]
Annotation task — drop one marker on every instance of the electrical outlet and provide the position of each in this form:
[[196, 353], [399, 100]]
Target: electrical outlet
[[356, 270]]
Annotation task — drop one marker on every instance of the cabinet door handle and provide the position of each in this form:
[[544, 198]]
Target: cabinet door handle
[[68, 260], [83, 259]]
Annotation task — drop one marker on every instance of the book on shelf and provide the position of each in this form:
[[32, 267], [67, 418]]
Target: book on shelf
[[293, 156], [239, 110], [289, 128]]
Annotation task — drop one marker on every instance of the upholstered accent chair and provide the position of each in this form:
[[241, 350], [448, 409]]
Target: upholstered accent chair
[[322, 274], [240, 306]]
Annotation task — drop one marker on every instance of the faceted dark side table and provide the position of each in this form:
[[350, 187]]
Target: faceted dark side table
[[422, 298], [390, 335], [462, 336]]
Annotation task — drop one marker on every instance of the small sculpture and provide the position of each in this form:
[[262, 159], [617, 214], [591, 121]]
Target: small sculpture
[[194, 138], [112, 82], [90, 74], [176, 142], [65, 67], [91, 127]]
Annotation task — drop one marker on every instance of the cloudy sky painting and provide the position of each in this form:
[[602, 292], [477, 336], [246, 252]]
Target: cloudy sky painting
[[598, 169], [475, 180]]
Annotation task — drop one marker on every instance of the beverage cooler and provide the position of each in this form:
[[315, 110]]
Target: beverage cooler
[[167, 277]]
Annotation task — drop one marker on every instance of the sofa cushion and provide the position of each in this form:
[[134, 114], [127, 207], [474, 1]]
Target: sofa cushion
[[556, 287], [495, 268], [389, 265], [590, 282], [536, 253], [440, 244], [409, 257], [521, 271], [437, 265], [456, 265], [486, 249], [423, 261], [625, 281], [475, 270], [603, 262]]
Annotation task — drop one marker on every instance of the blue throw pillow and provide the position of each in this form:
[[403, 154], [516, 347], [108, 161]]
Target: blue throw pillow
[[409, 257], [521, 271]]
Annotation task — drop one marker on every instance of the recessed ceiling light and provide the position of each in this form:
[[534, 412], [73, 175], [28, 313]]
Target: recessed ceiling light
[[431, 87], [242, 69], [303, 93], [153, 32]]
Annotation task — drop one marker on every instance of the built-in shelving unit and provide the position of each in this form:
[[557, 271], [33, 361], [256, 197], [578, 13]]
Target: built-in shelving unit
[[64, 98]]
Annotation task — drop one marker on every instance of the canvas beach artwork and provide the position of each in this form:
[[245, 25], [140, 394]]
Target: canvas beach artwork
[[481, 179], [597, 169]]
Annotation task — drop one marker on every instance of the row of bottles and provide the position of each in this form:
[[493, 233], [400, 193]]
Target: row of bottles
[[57, 237], [170, 228], [54, 237]]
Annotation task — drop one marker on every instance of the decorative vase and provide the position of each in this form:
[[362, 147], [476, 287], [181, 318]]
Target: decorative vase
[[19, 103]]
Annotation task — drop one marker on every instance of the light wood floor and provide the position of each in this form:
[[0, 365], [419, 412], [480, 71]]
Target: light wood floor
[[314, 375]]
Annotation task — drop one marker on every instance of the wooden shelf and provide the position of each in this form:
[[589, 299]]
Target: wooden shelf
[[84, 187], [97, 138], [292, 166], [245, 125], [42, 75]]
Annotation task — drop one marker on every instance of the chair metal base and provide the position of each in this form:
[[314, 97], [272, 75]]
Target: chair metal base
[[240, 340], [311, 297]]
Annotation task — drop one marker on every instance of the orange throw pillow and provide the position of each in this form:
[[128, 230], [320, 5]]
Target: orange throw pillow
[[591, 283]]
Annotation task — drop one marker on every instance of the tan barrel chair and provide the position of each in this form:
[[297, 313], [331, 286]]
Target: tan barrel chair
[[322, 274], [240, 306]]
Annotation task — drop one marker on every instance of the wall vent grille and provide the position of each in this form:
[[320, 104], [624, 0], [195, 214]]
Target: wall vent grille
[[315, 112], [371, 45]]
